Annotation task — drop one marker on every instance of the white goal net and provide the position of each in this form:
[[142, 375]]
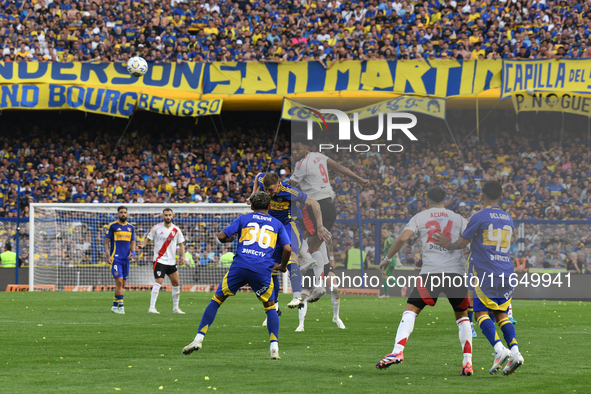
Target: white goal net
[[67, 245]]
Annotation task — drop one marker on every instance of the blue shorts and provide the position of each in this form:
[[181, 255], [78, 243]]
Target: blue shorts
[[120, 268], [484, 304], [236, 277]]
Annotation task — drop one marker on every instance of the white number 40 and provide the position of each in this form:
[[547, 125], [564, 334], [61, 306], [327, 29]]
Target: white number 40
[[259, 235]]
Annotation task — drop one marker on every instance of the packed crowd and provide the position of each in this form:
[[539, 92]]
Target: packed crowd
[[544, 177], [285, 30]]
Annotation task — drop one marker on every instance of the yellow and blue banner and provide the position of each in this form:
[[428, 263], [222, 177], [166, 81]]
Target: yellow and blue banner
[[571, 103], [546, 75], [100, 100], [296, 111], [440, 78]]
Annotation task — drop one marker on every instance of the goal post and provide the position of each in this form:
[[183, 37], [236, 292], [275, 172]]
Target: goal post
[[66, 245]]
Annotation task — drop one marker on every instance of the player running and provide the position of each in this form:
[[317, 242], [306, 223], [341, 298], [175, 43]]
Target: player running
[[285, 201], [119, 249], [311, 175], [439, 270], [166, 236], [260, 235], [490, 232]]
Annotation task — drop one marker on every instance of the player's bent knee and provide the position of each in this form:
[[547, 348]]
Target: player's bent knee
[[219, 299], [268, 304], [413, 308]]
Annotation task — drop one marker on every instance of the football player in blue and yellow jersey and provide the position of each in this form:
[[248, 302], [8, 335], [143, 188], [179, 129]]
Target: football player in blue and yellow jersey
[[285, 200], [489, 231], [260, 236], [119, 247]]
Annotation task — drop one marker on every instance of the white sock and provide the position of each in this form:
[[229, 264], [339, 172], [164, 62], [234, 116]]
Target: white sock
[[297, 294], [304, 252], [154, 295], [318, 270], [407, 325], [510, 312], [275, 346], [302, 313], [199, 337], [176, 293], [499, 347], [515, 350], [277, 306], [465, 331], [322, 249], [336, 302]]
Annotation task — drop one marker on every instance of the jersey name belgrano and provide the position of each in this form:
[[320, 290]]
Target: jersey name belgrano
[[312, 175], [437, 259]]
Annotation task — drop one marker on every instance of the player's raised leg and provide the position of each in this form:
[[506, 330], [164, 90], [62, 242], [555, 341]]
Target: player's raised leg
[[487, 326], [405, 328], [508, 329], [206, 321]]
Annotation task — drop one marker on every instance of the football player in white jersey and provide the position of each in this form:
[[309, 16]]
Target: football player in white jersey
[[311, 175], [442, 272], [166, 236]]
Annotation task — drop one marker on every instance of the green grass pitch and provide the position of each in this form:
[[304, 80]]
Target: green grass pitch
[[70, 343]]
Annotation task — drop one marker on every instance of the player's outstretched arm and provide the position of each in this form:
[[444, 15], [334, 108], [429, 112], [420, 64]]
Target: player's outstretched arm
[[223, 237], [445, 242], [255, 188], [396, 246], [333, 165], [323, 233]]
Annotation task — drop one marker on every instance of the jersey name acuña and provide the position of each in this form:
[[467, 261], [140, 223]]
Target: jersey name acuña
[[437, 259], [259, 235], [311, 173]]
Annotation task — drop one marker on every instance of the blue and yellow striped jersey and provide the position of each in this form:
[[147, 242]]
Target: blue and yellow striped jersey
[[258, 236], [285, 204], [490, 232], [121, 236]]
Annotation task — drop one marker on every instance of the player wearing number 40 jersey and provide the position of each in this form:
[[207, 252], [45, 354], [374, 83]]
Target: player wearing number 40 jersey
[[440, 268], [489, 232], [263, 245]]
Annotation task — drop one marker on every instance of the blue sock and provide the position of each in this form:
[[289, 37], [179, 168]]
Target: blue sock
[[209, 316], [115, 302], [470, 314], [295, 276], [508, 332], [276, 287], [487, 326], [272, 323], [118, 301]]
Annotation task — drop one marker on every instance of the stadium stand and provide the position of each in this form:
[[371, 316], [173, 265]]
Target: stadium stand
[[282, 30]]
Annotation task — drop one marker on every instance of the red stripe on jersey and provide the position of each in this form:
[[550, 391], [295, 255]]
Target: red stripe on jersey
[[166, 245]]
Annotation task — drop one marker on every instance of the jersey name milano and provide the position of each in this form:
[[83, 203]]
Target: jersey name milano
[[165, 243], [312, 174]]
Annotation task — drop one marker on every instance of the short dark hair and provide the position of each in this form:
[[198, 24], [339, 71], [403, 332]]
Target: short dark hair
[[271, 178], [492, 190], [8, 246], [167, 209], [121, 207], [260, 200], [436, 194], [300, 138]]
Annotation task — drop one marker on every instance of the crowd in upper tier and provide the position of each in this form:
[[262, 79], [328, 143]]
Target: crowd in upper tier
[[544, 176], [292, 30]]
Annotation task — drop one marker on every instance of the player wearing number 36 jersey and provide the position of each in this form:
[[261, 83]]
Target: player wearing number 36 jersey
[[489, 232]]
